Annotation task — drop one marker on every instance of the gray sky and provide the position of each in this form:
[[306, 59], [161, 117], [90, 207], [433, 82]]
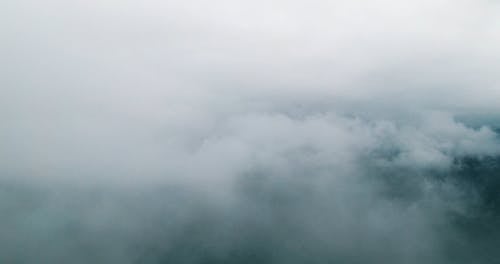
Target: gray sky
[[315, 128]]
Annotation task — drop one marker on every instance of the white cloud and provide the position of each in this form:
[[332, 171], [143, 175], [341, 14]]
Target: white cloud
[[333, 115]]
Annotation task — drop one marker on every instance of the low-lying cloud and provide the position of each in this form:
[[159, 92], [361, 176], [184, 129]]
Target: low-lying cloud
[[249, 132]]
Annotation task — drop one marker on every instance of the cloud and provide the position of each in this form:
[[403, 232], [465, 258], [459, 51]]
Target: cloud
[[244, 132]]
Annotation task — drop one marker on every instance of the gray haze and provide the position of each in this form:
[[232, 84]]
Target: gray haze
[[250, 131]]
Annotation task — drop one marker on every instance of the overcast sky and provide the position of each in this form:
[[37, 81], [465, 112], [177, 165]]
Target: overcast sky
[[249, 131]]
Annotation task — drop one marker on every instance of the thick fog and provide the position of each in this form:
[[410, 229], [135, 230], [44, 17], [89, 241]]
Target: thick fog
[[250, 131]]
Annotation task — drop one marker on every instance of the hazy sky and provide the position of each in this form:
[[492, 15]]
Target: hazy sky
[[249, 131]]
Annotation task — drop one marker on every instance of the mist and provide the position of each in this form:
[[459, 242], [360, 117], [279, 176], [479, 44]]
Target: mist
[[249, 131]]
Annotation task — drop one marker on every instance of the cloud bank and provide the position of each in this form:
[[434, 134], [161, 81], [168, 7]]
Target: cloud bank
[[249, 132]]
